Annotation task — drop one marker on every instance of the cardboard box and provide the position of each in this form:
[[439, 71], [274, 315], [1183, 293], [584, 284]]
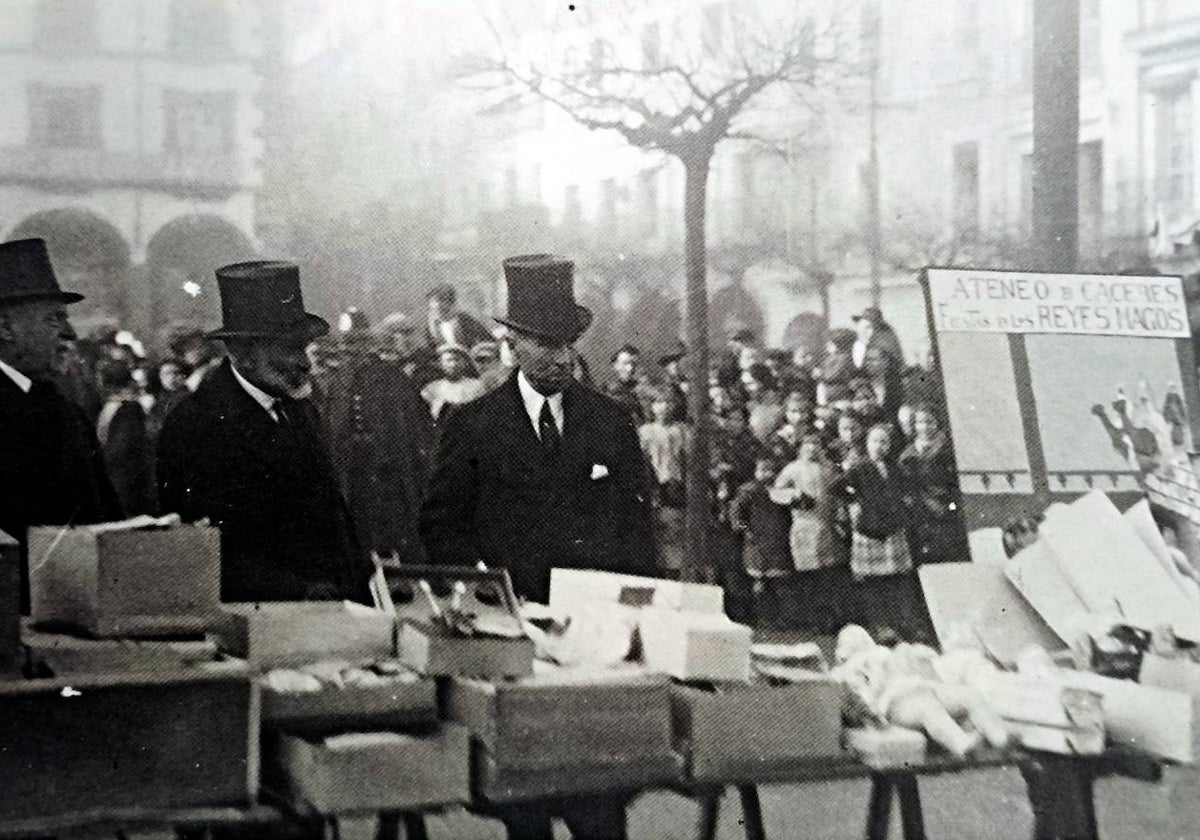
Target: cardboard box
[[110, 743], [695, 646], [12, 655], [565, 719], [499, 783], [430, 649], [152, 582], [275, 634], [65, 653], [583, 587], [431, 766], [737, 732], [396, 704]]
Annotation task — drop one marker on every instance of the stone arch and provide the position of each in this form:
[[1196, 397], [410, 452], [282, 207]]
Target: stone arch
[[181, 263], [90, 256]]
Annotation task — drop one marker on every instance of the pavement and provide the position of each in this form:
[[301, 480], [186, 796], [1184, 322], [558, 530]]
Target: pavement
[[976, 805]]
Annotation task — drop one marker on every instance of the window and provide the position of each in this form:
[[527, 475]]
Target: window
[[596, 61], [1027, 191], [648, 200], [712, 34], [1175, 153], [966, 189], [749, 192], [572, 207], [510, 186], [198, 123], [1089, 38], [66, 24], [1091, 194], [651, 46], [608, 202], [199, 28], [65, 118], [967, 25]]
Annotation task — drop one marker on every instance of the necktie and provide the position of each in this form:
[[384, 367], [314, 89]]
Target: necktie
[[548, 429]]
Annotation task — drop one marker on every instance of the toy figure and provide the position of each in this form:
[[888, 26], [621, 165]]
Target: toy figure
[[902, 686]]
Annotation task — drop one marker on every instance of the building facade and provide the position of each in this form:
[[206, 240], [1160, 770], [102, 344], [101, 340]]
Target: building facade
[[132, 143]]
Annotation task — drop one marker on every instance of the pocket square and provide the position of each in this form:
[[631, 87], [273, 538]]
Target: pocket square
[[599, 471]]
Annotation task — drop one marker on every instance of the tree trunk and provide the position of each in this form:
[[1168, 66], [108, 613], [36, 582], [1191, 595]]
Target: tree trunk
[[698, 516], [1055, 135]]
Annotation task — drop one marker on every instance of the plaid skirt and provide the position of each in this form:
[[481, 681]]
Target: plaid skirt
[[871, 557]]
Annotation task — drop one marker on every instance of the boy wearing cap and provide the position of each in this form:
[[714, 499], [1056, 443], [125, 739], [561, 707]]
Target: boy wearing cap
[[51, 466]]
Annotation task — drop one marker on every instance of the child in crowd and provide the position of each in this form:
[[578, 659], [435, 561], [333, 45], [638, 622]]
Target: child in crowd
[[1019, 533], [846, 449], [804, 484], [880, 562], [797, 415], [665, 442], [938, 534], [764, 527]]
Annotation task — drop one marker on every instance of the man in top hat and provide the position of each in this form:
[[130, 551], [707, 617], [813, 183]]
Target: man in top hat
[[542, 472], [248, 451], [51, 465]]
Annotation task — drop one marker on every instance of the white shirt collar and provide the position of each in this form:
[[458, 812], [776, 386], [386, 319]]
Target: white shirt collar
[[19, 379], [533, 403], [257, 394]]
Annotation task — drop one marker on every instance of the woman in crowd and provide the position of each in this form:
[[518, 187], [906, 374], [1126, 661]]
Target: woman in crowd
[[665, 442], [823, 584], [797, 416], [121, 429], [762, 400], [459, 382], [887, 591], [938, 533]]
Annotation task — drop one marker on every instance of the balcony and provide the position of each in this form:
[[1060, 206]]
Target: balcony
[[214, 176]]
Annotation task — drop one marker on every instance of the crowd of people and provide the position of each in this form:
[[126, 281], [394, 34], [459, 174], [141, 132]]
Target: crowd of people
[[831, 475]]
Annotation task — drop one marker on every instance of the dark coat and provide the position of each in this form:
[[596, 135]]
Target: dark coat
[[129, 458], [496, 497], [286, 533], [51, 466], [383, 449], [884, 501]]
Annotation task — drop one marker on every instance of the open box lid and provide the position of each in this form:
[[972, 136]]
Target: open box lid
[[423, 593]]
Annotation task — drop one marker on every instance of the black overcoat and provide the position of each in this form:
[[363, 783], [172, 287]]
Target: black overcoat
[[286, 533], [497, 497], [51, 466]]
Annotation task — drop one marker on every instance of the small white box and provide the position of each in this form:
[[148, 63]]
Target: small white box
[[585, 587], [695, 646]]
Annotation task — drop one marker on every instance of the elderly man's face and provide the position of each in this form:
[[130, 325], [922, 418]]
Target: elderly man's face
[[548, 364], [279, 366], [37, 332]]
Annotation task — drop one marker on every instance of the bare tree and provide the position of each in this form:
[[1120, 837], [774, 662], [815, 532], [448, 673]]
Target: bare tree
[[677, 83]]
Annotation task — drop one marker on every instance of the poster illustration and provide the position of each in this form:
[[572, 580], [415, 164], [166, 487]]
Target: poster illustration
[[1057, 384]]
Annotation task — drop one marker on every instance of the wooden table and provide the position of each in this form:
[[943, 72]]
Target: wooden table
[[197, 822], [1071, 774]]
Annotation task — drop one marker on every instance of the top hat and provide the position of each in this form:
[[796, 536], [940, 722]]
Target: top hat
[[26, 274], [262, 299], [541, 298]]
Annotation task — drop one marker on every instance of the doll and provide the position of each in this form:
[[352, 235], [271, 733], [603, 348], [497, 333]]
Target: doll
[[902, 686]]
